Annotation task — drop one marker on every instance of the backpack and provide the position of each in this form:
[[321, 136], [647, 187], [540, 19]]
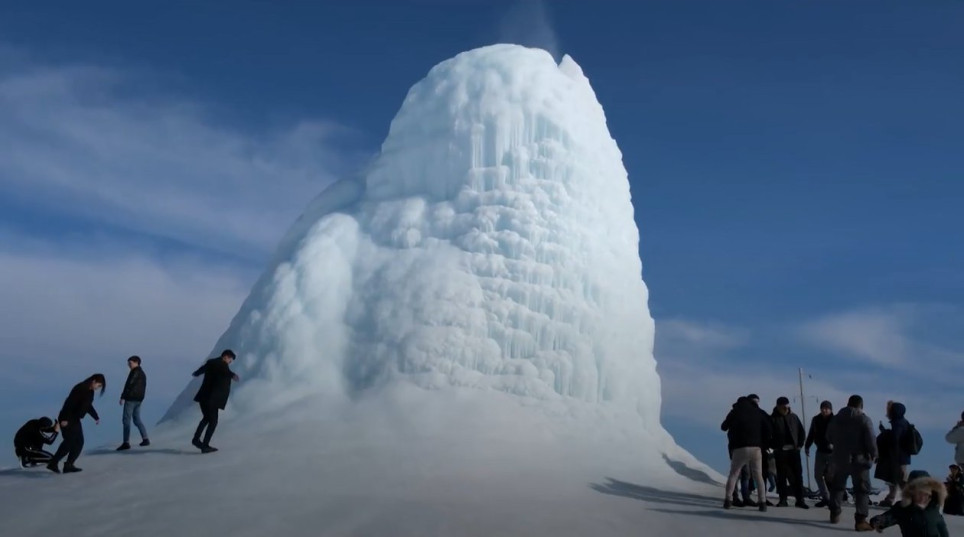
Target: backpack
[[912, 441]]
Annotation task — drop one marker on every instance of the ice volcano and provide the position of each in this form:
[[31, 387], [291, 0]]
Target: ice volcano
[[484, 269]]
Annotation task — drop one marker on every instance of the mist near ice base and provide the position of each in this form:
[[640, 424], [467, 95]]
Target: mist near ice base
[[479, 283]]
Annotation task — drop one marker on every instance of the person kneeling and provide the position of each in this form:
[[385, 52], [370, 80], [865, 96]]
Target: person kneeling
[[919, 512], [30, 440]]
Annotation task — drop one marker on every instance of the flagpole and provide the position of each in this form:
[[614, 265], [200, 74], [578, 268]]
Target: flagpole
[[803, 411]]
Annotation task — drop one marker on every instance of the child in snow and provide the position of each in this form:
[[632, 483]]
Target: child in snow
[[919, 512]]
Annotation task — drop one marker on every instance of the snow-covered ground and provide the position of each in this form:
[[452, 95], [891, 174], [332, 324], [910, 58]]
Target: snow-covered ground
[[410, 466]]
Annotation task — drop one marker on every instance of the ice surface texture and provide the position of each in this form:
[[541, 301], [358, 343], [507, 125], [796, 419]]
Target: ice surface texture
[[490, 245]]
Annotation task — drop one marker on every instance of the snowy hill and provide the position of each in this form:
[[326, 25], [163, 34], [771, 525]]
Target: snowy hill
[[458, 342]]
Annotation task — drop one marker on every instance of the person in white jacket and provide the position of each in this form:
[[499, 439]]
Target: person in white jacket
[[956, 436]]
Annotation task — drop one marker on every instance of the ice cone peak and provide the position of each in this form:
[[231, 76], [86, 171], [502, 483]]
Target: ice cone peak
[[491, 245]]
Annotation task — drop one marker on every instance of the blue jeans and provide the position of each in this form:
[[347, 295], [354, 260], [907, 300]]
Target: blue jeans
[[132, 409]]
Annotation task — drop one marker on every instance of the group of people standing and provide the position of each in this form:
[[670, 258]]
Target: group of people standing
[[33, 436], [846, 447]]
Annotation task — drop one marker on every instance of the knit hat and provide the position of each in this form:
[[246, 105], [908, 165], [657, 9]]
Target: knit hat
[[783, 401], [917, 474], [45, 422], [826, 404]]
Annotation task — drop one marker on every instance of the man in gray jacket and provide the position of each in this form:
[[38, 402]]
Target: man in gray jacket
[[956, 436], [851, 433]]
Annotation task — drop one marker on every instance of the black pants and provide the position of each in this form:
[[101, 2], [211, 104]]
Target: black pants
[[72, 444], [209, 420], [789, 474], [33, 456]]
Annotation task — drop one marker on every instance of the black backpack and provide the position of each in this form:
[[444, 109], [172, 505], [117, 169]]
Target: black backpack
[[912, 441]]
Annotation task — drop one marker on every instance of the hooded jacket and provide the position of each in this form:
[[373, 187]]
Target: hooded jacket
[[900, 427], [852, 434], [746, 426], [32, 436], [912, 519]]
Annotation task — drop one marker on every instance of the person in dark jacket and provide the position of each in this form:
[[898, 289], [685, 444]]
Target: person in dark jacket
[[919, 512], [30, 440], [823, 464], [894, 458], [851, 433], [788, 440], [79, 403], [212, 396], [769, 465], [748, 431], [133, 395], [954, 504]]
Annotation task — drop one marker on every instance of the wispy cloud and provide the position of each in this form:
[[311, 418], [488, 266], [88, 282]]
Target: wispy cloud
[[876, 336], [529, 23], [896, 337], [103, 146]]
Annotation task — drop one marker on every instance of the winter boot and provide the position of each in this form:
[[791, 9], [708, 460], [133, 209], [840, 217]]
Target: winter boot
[[750, 503], [762, 507], [738, 502], [783, 503], [801, 504], [822, 503], [861, 524], [727, 503], [145, 442], [124, 447], [71, 469], [835, 516], [52, 466], [208, 449]]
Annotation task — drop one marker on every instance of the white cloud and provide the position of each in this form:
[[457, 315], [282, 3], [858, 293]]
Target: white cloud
[[675, 333], [69, 315], [876, 336], [77, 140]]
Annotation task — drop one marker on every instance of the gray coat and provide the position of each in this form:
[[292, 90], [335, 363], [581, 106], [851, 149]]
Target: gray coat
[[956, 436], [851, 433]]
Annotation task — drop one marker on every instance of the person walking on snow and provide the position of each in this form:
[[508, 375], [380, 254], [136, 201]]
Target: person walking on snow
[[748, 431], [78, 404], [133, 395], [823, 464], [851, 433], [30, 439], [894, 457], [788, 439], [919, 512], [956, 436], [212, 396]]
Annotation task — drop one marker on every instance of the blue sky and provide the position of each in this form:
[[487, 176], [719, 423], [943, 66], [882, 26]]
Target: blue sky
[[796, 170]]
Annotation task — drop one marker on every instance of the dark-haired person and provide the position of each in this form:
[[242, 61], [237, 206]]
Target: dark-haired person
[[78, 404], [788, 439], [851, 433], [823, 465], [133, 395], [212, 396], [30, 440]]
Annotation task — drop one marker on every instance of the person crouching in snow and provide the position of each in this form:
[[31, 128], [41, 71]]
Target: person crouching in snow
[[31, 438], [918, 514]]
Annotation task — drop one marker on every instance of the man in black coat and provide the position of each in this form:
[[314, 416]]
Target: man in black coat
[[748, 432], [788, 439], [213, 396], [823, 465], [31, 438], [133, 395]]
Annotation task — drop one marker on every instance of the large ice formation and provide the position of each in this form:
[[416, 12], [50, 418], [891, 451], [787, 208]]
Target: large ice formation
[[490, 245]]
